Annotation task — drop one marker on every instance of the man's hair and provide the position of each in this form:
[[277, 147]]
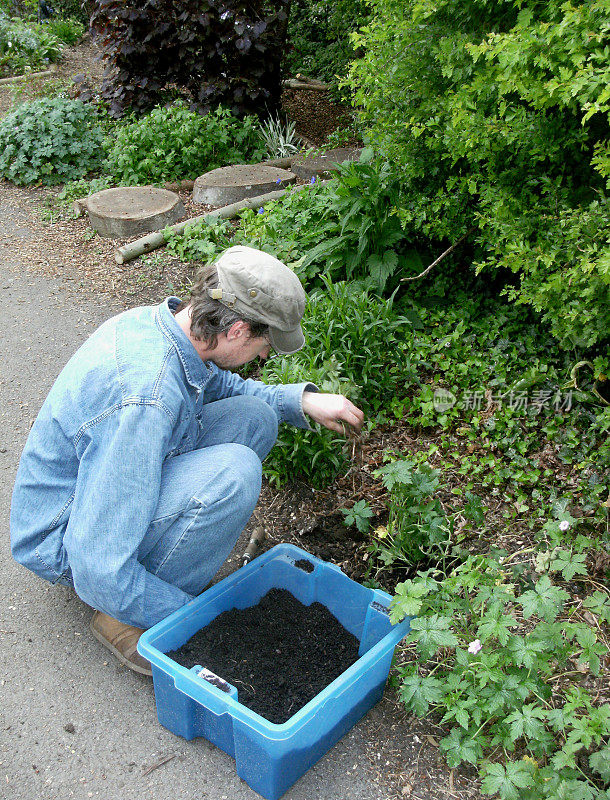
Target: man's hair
[[211, 317]]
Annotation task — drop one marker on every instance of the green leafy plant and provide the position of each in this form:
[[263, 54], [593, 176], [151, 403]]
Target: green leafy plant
[[346, 229], [24, 45], [81, 187], [495, 141], [79, 10], [492, 662], [49, 140], [359, 515], [417, 526], [362, 242], [200, 241], [174, 143], [67, 30], [291, 226], [356, 344], [319, 37]]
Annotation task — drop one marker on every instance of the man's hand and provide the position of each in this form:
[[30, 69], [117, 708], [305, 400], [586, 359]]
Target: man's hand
[[332, 411]]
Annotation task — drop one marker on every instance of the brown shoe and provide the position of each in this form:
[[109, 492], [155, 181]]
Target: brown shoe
[[121, 640]]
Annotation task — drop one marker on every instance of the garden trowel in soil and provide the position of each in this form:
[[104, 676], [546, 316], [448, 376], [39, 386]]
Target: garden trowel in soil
[[259, 534]]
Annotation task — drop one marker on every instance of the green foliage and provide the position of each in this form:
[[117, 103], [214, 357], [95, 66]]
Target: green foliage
[[286, 229], [345, 229], [316, 456], [77, 189], [496, 116], [417, 525], [359, 515], [356, 344], [360, 240], [174, 143], [319, 37], [291, 226], [280, 137], [49, 140], [68, 30], [200, 241], [25, 45], [491, 675], [79, 10]]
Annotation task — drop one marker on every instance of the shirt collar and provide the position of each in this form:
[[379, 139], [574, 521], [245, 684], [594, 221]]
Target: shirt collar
[[196, 370]]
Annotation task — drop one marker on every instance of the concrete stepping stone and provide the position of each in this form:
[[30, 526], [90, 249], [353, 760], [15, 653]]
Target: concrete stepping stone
[[308, 167], [132, 210], [226, 185]]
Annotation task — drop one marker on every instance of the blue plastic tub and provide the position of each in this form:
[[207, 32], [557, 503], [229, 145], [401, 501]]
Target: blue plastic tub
[[270, 757]]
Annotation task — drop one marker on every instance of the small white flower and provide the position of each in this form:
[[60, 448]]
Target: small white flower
[[475, 647], [564, 525]]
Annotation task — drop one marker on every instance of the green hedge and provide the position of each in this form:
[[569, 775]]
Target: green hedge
[[496, 115]]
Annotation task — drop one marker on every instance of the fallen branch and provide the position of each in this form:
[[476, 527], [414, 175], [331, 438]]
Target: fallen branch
[[45, 73], [159, 763], [441, 257], [301, 82], [154, 240]]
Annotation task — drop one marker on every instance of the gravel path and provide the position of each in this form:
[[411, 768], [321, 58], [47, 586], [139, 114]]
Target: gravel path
[[73, 722]]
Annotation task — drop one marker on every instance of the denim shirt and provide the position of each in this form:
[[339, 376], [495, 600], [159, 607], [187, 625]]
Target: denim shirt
[[89, 477]]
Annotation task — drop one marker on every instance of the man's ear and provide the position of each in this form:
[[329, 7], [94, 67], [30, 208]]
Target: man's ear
[[238, 330]]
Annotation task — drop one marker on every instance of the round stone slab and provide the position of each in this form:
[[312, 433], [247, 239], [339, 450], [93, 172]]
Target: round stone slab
[[227, 185], [132, 210], [308, 167]]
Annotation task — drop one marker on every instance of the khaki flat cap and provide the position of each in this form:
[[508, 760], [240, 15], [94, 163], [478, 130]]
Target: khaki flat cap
[[257, 286]]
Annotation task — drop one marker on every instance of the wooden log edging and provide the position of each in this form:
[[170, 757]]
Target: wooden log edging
[[16, 78], [153, 241], [302, 82]]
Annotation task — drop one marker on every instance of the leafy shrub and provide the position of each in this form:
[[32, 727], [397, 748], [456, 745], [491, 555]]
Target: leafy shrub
[[79, 10], [49, 140], [361, 238], [222, 54], [346, 229], [19, 8], [490, 656], [81, 187], [289, 227], [23, 45], [356, 345], [489, 135], [174, 143], [68, 30], [319, 37], [200, 241]]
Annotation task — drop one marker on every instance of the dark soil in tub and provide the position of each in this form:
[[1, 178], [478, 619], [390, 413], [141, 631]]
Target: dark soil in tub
[[279, 654]]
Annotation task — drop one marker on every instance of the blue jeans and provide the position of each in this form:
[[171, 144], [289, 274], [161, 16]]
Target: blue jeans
[[208, 494]]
